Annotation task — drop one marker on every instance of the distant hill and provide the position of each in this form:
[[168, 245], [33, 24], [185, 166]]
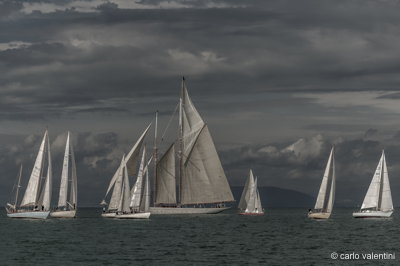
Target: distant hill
[[273, 197]]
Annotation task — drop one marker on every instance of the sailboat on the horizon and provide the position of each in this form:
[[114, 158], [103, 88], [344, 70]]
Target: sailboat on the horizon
[[121, 195], [67, 208], [326, 195], [378, 200], [200, 185], [36, 201], [135, 203], [250, 202]]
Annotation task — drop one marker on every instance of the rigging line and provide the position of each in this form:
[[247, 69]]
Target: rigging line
[[169, 122]]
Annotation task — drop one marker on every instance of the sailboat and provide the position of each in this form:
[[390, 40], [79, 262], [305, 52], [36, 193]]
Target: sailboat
[[378, 200], [250, 202], [36, 201], [200, 179], [135, 204], [120, 181], [67, 208], [326, 195]]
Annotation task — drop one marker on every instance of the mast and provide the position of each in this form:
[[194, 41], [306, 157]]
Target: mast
[[381, 182], [155, 160], [180, 152], [18, 186]]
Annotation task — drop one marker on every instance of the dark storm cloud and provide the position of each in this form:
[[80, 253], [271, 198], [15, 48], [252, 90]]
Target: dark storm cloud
[[79, 57]]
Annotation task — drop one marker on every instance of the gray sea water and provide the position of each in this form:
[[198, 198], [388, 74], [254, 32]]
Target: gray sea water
[[281, 237]]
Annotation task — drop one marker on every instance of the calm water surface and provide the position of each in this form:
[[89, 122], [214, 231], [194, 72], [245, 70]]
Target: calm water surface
[[281, 237]]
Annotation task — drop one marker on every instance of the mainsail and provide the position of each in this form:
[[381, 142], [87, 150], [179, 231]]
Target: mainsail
[[379, 196], [166, 183], [326, 194], [32, 195], [62, 199], [202, 178], [244, 199], [65, 173]]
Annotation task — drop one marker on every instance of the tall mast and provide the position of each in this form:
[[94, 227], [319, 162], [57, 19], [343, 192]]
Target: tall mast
[[155, 160], [381, 182], [18, 186], [180, 152]]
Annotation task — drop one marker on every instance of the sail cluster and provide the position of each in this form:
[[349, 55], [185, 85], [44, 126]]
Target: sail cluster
[[201, 176], [250, 201], [124, 198]]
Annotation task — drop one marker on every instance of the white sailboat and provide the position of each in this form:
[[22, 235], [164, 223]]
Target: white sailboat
[[201, 181], [326, 195], [135, 204], [250, 202], [36, 201], [117, 184], [378, 200], [67, 208]]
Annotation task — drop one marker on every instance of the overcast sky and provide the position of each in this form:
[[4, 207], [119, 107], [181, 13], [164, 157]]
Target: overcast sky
[[278, 82]]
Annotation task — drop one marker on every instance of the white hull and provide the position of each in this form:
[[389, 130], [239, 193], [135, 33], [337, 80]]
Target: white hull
[[63, 214], [172, 210], [29, 214], [319, 215], [108, 214], [139, 215], [372, 214]]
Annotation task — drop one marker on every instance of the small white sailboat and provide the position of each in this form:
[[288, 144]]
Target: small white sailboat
[[129, 163], [136, 203], [36, 201], [67, 208], [199, 186], [378, 200], [250, 202], [326, 195]]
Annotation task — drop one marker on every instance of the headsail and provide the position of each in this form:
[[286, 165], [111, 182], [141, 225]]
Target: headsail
[[325, 191], [386, 195], [372, 197], [31, 193], [62, 200], [244, 199], [136, 192]]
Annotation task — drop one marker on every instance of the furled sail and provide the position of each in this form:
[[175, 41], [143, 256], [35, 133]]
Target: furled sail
[[244, 199], [166, 183], [31, 193], [325, 193], [62, 200]]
